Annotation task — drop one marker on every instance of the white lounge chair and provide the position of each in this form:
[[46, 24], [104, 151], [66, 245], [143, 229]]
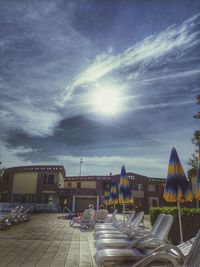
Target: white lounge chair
[[116, 224], [186, 254], [123, 228], [137, 232], [155, 239], [111, 217]]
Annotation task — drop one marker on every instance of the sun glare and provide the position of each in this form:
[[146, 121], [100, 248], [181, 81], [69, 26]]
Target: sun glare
[[107, 101]]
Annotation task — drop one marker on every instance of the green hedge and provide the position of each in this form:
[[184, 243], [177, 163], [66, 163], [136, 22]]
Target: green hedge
[[190, 222]]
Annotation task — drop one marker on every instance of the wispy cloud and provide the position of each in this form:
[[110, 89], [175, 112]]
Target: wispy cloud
[[32, 119], [159, 49]]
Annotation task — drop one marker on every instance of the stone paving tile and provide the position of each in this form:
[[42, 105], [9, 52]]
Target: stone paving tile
[[46, 241]]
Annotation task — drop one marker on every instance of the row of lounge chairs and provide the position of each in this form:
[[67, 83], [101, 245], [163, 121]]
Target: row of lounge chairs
[[131, 244], [15, 216]]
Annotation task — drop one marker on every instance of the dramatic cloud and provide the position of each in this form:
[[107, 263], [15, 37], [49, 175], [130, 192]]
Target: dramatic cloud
[[56, 54], [157, 50]]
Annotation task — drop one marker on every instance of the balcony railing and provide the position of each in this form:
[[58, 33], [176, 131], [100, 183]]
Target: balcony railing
[[80, 191]]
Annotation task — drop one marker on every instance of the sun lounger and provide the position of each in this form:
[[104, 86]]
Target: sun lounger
[[156, 238], [115, 224], [111, 217], [137, 232], [8, 219], [185, 254], [124, 228]]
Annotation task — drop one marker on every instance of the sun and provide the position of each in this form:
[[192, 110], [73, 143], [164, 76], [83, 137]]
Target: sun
[[107, 101]]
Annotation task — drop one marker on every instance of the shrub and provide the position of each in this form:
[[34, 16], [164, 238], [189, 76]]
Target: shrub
[[190, 222]]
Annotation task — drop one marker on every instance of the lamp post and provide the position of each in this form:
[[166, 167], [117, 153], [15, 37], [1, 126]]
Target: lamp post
[[81, 161]]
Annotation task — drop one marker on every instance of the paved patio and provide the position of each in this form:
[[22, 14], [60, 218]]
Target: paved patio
[[46, 241]]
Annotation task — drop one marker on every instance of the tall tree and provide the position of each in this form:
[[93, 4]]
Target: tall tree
[[193, 161]]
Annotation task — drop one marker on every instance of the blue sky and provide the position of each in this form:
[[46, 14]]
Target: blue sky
[[55, 55]]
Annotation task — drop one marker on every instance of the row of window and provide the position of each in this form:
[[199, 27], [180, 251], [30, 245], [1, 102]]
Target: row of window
[[137, 187]]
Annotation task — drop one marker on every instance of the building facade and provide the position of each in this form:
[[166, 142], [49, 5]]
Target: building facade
[[32, 184], [48, 186], [80, 191]]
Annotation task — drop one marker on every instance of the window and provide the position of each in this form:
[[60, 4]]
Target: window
[[30, 198], [48, 199], [152, 188], [140, 187], [49, 179], [79, 185], [153, 201]]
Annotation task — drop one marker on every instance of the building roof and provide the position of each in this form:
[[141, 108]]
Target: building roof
[[88, 177], [36, 168], [130, 175]]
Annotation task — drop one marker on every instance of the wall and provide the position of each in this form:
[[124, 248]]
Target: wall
[[25, 183], [84, 184]]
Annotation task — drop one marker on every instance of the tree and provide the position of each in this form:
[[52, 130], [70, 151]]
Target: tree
[[193, 161]]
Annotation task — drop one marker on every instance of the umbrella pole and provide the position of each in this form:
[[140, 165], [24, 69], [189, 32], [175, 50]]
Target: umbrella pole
[[114, 207], [180, 223], [124, 212]]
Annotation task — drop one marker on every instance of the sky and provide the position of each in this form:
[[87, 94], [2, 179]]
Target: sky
[[56, 56]]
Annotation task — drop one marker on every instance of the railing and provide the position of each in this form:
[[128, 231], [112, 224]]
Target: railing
[[80, 191], [37, 207]]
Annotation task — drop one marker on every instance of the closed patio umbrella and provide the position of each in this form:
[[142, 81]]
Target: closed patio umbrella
[[113, 194], [106, 198], [177, 187], [125, 196]]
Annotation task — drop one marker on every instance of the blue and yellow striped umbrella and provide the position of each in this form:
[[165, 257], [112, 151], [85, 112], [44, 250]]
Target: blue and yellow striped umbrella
[[197, 193], [125, 196], [177, 186], [106, 197], [113, 193]]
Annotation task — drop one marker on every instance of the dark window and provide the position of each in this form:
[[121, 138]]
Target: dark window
[[78, 185], [49, 179], [46, 198], [24, 197], [154, 203]]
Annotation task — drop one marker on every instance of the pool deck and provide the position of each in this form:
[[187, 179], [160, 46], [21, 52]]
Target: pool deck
[[46, 241]]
